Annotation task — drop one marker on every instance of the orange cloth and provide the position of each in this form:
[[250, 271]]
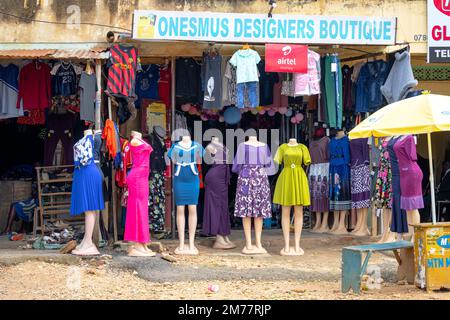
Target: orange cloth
[[109, 134]]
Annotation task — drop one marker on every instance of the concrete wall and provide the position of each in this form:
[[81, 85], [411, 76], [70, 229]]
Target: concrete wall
[[411, 16]]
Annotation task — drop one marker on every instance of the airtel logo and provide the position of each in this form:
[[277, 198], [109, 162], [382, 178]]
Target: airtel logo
[[287, 49], [443, 6]]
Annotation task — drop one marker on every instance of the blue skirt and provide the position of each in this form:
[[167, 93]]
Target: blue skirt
[[87, 190], [186, 187]]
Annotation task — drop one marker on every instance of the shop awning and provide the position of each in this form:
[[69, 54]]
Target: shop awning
[[95, 53]]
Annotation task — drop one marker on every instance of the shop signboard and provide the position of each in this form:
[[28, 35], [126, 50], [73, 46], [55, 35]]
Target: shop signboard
[[438, 31], [286, 58], [258, 28]]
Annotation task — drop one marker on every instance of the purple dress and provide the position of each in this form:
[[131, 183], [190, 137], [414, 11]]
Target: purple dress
[[410, 174], [216, 218], [318, 175], [253, 164], [360, 173]]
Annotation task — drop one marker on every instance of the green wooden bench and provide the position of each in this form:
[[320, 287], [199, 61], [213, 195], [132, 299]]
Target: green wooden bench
[[352, 270]]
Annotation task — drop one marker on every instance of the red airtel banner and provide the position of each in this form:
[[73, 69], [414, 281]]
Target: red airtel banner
[[286, 58]]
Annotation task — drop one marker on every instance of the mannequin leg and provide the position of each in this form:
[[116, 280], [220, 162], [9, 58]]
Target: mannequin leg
[[88, 248], [192, 228], [388, 235], [247, 224], [341, 229], [258, 234], [413, 217], [229, 242], [335, 221], [298, 226], [318, 222], [324, 226], [139, 250], [181, 229], [362, 221], [358, 220], [286, 226]]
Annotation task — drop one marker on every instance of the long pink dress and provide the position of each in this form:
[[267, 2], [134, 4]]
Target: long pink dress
[[136, 223]]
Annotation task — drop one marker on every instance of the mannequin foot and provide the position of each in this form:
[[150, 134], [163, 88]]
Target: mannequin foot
[[362, 233], [89, 251], [340, 231], [187, 251], [292, 252], [249, 250], [390, 237], [179, 250], [260, 250], [134, 252], [218, 244]]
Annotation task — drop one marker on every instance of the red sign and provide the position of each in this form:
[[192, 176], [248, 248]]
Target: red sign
[[286, 58], [443, 6]]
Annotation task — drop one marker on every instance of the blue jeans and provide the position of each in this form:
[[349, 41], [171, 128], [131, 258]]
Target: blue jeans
[[249, 88]]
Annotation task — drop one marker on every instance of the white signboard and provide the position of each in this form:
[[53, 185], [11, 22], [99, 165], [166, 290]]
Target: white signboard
[[258, 28], [438, 30]]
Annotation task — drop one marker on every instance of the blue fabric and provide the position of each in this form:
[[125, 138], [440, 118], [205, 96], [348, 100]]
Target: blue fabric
[[147, 82], [232, 115], [368, 94], [340, 196], [246, 62], [25, 209], [252, 90]]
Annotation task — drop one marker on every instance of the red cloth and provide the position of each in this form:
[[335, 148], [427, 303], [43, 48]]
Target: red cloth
[[109, 134], [121, 175], [32, 117], [164, 84], [35, 88]]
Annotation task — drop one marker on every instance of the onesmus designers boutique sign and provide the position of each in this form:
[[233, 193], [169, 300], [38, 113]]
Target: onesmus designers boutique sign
[[258, 28], [286, 58], [438, 30]]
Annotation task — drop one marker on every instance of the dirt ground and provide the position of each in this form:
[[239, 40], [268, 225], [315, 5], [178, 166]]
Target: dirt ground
[[316, 275]]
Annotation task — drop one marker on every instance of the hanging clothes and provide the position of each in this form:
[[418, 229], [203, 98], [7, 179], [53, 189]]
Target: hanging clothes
[[212, 87], [307, 84], [164, 84], [368, 87], [383, 188], [88, 91], [266, 85], [65, 79], [187, 77], [110, 135], [123, 65], [9, 92], [333, 91], [137, 224], [348, 88], [147, 83], [35, 89], [60, 129]]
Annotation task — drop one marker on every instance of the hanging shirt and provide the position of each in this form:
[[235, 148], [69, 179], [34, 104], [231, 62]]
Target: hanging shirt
[[164, 84], [9, 91], [65, 79], [266, 84], [123, 65], [212, 82], [109, 134], [88, 86], [246, 62], [187, 78], [147, 82], [35, 91]]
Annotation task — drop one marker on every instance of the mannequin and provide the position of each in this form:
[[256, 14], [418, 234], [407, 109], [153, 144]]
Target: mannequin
[[137, 226], [292, 190], [253, 163], [186, 189], [85, 166], [318, 173], [340, 201], [216, 219]]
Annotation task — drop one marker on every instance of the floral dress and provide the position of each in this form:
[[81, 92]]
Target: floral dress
[[383, 187]]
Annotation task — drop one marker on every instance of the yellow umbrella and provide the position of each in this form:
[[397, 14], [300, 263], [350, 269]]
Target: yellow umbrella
[[421, 114]]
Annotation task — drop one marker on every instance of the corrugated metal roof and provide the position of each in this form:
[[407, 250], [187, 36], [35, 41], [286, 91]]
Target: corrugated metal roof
[[95, 53]]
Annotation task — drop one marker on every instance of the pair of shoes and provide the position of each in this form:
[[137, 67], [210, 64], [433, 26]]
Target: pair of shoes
[[14, 236]]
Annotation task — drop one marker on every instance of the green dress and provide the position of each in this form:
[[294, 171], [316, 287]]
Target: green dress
[[292, 187]]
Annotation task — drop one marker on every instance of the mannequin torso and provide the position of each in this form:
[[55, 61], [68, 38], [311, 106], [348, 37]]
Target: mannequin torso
[[88, 132], [185, 142], [137, 138], [253, 141], [292, 142]]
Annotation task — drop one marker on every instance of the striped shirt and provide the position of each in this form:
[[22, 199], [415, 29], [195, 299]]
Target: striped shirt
[[124, 63]]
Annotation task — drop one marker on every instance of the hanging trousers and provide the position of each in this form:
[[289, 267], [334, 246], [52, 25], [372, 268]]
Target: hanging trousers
[[60, 128], [333, 91]]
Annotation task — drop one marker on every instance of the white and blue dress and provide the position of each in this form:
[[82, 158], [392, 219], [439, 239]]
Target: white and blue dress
[[186, 181], [87, 192]]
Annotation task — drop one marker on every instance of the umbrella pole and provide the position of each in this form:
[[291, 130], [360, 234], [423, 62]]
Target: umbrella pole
[[433, 199]]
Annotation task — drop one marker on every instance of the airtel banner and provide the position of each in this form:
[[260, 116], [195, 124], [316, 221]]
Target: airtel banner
[[286, 58], [438, 30]]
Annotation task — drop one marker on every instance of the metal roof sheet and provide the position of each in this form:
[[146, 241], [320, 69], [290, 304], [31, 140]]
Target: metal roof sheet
[[95, 53]]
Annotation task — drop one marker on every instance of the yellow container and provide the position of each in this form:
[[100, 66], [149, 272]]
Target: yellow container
[[432, 256]]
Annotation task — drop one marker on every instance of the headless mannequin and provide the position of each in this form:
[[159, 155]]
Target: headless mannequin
[[339, 216], [87, 247], [186, 142], [247, 222], [387, 235], [138, 249], [222, 242], [298, 224]]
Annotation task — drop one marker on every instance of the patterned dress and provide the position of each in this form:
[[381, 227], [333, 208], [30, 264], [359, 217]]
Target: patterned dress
[[253, 164], [383, 188], [360, 173], [340, 197]]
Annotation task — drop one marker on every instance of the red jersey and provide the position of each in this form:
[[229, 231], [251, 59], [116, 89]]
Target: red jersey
[[121, 175], [164, 84], [124, 63], [35, 87]]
